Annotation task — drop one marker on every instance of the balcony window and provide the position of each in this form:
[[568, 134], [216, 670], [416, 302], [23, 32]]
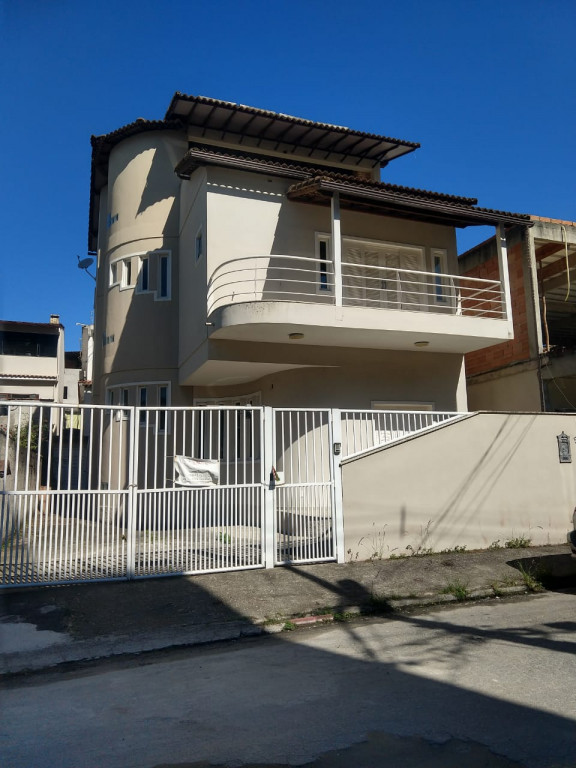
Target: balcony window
[[324, 265]]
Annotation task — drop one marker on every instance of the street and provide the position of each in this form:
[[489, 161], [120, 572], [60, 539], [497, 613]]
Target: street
[[486, 684]]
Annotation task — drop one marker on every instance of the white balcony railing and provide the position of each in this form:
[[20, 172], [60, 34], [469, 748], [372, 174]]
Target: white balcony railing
[[311, 281]]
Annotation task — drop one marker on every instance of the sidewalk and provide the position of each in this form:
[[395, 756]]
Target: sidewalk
[[45, 626]]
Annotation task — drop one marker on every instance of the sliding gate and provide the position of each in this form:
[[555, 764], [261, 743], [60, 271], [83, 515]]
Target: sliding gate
[[99, 492]]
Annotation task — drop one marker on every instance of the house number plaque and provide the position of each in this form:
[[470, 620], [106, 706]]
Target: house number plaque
[[564, 454]]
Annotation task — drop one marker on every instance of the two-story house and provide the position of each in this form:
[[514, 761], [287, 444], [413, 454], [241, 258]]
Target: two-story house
[[32, 362], [249, 256]]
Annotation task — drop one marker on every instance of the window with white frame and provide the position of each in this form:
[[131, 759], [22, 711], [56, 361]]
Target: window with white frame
[[325, 272], [163, 290], [144, 275], [126, 273], [114, 277], [440, 269]]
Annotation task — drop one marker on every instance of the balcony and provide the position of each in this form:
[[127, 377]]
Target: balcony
[[276, 298]]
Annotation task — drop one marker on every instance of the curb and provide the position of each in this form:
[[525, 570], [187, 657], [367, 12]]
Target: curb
[[101, 649]]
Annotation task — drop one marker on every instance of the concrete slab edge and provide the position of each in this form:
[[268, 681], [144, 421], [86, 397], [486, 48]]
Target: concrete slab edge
[[85, 651]]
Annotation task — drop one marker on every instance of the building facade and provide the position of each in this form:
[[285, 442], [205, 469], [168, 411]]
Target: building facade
[[245, 256], [32, 362], [536, 371]]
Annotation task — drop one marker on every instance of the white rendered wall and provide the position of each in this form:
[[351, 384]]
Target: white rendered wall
[[491, 477]]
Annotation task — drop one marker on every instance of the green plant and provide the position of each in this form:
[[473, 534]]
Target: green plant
[[518, 542], [394, 556], [531, 579], [29, 434], [419, 551], [457, 549], [458, 589], [496, 545], [289, 626], [375, 543], [224, 537]]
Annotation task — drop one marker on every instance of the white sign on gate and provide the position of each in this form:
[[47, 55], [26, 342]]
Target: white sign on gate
[[196, 472]]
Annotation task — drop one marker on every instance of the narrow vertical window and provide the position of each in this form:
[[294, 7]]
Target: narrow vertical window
[[163, 277], [125, 401], [113, 273], [440, 287], [163, 403], [323, 255], [110, 397], [127, 273], [144, 273], [199, 246], [143, 404]]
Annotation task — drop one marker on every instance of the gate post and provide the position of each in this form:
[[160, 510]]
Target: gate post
[[336, 469], [132, 479], [268, 516]]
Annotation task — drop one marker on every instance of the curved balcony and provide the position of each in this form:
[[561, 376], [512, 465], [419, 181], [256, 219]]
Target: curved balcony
[[280, 297], [311, 281]]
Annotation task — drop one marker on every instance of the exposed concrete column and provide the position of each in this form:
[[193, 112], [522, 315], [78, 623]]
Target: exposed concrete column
[[503, 269], [336, 247]]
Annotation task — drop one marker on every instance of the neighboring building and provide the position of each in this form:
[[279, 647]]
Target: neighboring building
[[32, 361], [537, 370], [248, 256]]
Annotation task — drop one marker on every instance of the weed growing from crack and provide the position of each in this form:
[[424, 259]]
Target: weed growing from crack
[[458, 589], [518, 542]]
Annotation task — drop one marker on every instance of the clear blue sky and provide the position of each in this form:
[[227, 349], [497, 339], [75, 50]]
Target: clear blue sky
[[488, 89]]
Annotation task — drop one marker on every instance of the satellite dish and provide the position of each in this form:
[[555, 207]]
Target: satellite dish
[[84, 264]]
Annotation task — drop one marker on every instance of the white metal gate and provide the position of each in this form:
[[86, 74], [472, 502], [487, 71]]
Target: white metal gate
[[198, 490], [101, 492], [305, 492]]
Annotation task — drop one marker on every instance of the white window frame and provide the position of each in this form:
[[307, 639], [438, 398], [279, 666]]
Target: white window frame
[[321, 237], [114, 278], [127, 273], [144, 259], [440, 291]]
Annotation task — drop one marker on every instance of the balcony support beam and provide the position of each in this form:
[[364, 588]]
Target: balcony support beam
[[503, 269], [336, 247]]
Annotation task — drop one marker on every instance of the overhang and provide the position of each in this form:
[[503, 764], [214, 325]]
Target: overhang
[[273, 128], [400, 202]]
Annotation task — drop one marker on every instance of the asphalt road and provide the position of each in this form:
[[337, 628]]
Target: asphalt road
[[487, 684]]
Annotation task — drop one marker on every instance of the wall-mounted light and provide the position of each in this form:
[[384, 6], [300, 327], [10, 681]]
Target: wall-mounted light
[[295, 336], [421, 343]]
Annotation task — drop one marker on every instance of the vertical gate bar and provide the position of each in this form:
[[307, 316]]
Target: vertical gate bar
[[268, 513], [131, 500], [337, 514]]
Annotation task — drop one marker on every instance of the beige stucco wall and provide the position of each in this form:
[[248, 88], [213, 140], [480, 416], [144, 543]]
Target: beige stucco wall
[[489, 477], [249, 214], [142, 201], [354, 379], [515, 389]]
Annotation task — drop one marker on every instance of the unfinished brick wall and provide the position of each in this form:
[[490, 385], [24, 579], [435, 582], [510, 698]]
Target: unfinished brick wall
[[509, 351]]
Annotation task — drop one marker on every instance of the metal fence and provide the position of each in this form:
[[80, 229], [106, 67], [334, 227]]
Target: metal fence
[[101, 492], [365, 430]]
